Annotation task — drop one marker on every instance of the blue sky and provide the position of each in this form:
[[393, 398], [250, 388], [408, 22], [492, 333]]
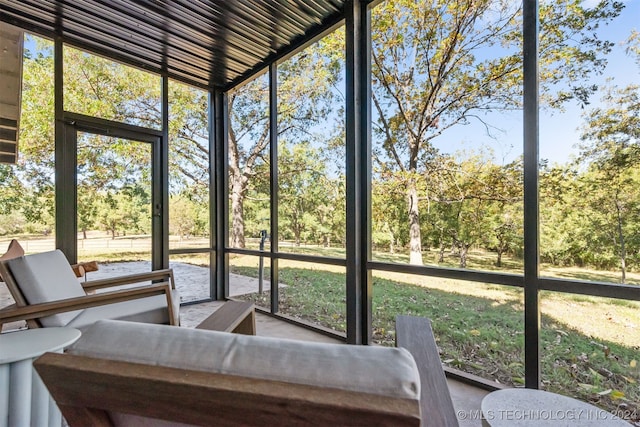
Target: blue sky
[[559, 131]]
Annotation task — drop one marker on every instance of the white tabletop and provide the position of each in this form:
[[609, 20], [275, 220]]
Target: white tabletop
[[528, 407], [21, 345]]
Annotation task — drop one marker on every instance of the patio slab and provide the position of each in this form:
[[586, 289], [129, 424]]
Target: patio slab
[[191, 280]]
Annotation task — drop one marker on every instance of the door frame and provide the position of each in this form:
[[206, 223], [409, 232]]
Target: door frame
[[66, 173]]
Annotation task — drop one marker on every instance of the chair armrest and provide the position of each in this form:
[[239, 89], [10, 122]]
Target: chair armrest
[[78, 270], [415, 334], [36, 311], [165, 275]]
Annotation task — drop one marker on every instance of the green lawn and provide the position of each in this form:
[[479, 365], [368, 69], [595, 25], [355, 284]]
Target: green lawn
[[483, 335]]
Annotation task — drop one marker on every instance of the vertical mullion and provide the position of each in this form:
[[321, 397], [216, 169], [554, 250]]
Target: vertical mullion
[[221, 114], [358, 167], [213, 215], [65, 164], [273, 183], [160, 183], [365, 170], [531, 202]]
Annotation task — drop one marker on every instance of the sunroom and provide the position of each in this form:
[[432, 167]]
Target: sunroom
[[339, 163]]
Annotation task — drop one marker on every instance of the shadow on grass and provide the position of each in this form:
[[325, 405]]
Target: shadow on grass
[[593, 276], [474, 334]]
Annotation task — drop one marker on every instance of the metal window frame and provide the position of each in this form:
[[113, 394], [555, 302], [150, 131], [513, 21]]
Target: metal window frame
[[358, 263], [66, 181]]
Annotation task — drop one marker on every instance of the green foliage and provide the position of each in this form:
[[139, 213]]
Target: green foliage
[[595, 203], [437, 64], [99, 87], [306, 195], [188, 142], [306, 96], [188, 218]]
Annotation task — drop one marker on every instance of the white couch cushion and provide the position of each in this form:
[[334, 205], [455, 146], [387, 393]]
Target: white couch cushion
[[147, 310], [377, 370], [47, 277]]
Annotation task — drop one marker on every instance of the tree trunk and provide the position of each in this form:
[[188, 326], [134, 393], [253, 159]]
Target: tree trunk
[[441, 251], [463, 255], [237, 214], [415, 238], [623, 249], [499, 261], [392, 241]]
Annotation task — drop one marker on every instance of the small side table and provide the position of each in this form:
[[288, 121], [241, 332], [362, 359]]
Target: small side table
[[24, 399], [529, 407]]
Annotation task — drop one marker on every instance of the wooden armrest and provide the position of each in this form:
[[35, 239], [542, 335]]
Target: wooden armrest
[[165, 275], [78, 270], [233, 316], [415, 334], [83, 268], [36, 311]]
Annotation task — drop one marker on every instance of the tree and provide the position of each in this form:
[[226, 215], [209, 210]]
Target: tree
[[35, 168], [99, 87], [248, 142], [472, 192], [388, 213], [120, 169], [304, 98], [189, 157], [103, 88], [10, 200], [611, 143], [505, 211], [184, 215], [558, 214], [433, 70], [304, 196]]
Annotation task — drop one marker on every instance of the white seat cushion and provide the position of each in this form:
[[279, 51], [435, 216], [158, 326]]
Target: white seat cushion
[[147, 310], [47, 277], [377, 370]]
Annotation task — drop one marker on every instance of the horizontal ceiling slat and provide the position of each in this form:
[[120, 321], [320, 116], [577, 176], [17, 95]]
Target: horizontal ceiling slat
[[206, 42], [151, 48], [238, 49], [196, 20], [33, 15], [261, 15], [196, 59]]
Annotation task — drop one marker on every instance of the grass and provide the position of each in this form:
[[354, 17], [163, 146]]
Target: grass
[[481, 334]]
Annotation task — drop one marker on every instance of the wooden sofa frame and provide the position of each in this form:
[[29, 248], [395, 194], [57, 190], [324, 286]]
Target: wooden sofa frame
[[87, 388]]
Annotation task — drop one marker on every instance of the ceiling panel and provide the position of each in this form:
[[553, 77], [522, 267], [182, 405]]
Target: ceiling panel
[[208, 43]]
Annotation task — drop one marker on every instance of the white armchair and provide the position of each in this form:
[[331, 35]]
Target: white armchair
[[48, 294]]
